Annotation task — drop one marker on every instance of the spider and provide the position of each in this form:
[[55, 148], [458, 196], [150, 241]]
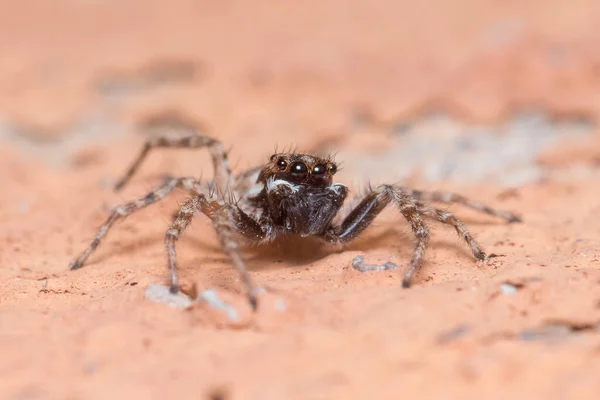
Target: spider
[[291, 194]]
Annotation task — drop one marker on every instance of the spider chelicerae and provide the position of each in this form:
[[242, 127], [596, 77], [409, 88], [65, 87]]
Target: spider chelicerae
[[291, 194]]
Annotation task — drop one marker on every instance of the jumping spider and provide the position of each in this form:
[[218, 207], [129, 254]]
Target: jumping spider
[[292, 194]]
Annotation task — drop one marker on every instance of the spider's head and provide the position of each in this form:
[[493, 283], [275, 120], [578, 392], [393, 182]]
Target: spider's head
[[299, 169], [300, 195]]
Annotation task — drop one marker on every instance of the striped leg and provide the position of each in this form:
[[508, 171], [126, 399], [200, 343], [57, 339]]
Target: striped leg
[[122, 211], [449, 198], [364, 214], [447, 218], [229, 221], [413, 211], [223, 176]]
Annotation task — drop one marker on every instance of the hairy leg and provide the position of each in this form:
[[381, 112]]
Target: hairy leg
[[180, 223], [229, 221], [447, 218], [127, 209], [449, 198], [246, 180], [364, 214], [223, 176]]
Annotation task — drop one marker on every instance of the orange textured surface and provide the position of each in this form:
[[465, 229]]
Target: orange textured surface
[[76, 76]]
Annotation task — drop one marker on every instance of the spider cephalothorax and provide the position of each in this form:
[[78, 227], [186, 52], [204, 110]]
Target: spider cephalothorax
[[291, 194], [297, 192]]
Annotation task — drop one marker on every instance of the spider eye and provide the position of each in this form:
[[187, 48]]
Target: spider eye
[[332, 169], [281, 164], [298, 169], [319, 169]]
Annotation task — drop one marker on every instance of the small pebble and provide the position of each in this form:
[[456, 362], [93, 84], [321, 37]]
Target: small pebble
[[508, 289], [162, 294], [359, 264], [212, 298]]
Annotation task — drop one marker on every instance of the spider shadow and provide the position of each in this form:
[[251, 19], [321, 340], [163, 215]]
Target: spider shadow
[[292, 251], [297, 252], [140, 244]]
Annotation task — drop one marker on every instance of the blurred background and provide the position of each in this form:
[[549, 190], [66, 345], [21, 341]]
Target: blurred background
[[496, 99], [398, 89]]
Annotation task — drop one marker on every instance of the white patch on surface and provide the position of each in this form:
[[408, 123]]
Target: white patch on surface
[[508, 289], [211, 297], [273, 184], [162, 294]]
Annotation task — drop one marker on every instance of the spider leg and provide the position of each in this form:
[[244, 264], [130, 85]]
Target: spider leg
[[447, 218], [223, 176], [366, 211], [449, 198], [229, 221], [245, 180], [127, 209]]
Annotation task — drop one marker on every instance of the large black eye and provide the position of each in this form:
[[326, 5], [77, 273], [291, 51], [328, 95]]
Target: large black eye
[[281, 164], [332, 169], [298, 169], [319, 169]]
